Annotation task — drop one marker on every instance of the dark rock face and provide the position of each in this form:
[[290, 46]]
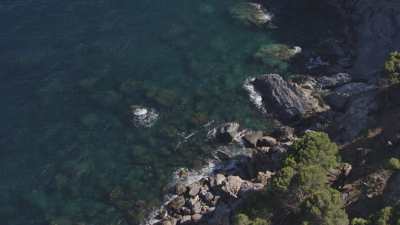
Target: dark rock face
[[356, 117], [286, 100], [377, 33], [341, 95], [375, 26], [392, 192]]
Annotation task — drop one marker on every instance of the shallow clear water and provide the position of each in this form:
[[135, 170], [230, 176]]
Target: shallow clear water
[[69, 71]]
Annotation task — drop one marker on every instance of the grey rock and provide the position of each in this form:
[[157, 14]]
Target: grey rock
[[225, 133], [170, 221], [193, 201], [219, 179], [286, 100], [336, 80], [180, 189], [208, 197], [185, 219], [341, 95], [196, 217], [194, 189], [252, 138], [177, 203], [232, 186], [185, 211], [266, 141], [264, 177], [196, 208], [284, 133]]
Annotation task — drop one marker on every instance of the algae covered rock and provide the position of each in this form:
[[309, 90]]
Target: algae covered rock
[[250, 13], [276, 55], [276, 51]]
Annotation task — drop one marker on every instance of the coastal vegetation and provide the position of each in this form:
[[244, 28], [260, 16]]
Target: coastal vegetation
[[301, 189], [392, 67]]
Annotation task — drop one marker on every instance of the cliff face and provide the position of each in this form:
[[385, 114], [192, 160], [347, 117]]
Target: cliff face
[[376, 32]]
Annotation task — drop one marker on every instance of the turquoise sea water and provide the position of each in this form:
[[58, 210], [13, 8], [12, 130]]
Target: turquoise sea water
[[69, 71]]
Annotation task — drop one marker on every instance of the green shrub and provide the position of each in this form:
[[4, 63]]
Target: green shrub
[[384, 216], [281, 182], [394, 164], [325, 207], [243, 219], [392, 67], [311, 178], [359, 221], [259, 221], [315, 148]]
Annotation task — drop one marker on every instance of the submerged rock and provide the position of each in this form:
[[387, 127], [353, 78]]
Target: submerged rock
[[276, 51], [276, 56], [142, 116], [250, 13]]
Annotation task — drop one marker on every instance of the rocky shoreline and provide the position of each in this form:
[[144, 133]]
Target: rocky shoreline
[[339, 104], [298, 105]]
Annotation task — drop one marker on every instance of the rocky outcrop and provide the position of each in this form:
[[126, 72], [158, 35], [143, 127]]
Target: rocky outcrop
[[340, 96], [333, 101], [286, 100]]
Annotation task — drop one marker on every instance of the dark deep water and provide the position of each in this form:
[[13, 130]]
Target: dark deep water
[[69, 70]]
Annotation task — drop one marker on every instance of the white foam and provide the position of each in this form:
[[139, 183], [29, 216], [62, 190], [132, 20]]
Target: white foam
[[255, 97]]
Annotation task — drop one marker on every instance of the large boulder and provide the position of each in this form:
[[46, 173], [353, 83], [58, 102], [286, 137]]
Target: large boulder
[[287, 100]]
